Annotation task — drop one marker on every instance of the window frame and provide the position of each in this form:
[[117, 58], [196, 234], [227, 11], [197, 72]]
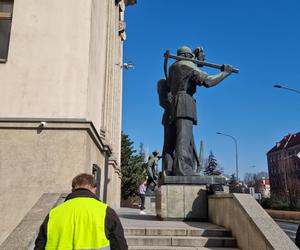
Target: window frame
[[7, 16]]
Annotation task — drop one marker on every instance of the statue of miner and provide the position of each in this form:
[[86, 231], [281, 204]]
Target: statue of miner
[[165, 101], [183, 78]]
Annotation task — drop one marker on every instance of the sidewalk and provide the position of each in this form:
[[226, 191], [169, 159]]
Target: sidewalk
[[130, 218]]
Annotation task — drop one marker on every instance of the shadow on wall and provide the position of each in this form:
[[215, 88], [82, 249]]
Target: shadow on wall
[[199, 210]]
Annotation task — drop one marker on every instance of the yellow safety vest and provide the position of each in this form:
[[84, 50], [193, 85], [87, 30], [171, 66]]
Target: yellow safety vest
[[78, 223]]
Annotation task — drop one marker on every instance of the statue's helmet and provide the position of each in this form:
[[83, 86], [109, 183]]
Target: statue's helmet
[[184, 50], [155, 153]]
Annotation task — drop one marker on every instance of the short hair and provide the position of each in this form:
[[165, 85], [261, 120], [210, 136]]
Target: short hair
[[83, 180]]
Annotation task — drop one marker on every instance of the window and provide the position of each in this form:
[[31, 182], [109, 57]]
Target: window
[[6, 8]]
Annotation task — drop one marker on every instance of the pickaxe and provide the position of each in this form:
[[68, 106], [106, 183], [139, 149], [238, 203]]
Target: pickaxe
[[167, 55]]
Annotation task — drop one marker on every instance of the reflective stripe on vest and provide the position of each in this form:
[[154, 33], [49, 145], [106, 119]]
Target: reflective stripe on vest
[[78, 223]]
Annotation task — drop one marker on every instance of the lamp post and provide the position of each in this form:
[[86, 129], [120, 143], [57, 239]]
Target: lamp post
[[285, 87], [236, 153], [253, 166]]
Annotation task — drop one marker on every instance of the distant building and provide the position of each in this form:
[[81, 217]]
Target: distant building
[[284, 166], [264, 187]]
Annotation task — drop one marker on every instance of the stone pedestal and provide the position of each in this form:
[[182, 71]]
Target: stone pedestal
[[193, 180], [184, 197], [150, 203], [182, 202]]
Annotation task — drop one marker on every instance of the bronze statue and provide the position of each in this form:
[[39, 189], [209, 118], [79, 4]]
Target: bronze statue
[[151, 172], [180, 84], [165, 101]]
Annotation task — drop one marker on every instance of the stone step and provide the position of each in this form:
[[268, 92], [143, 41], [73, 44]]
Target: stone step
[[178, 248], [158, 231], [181, 241]]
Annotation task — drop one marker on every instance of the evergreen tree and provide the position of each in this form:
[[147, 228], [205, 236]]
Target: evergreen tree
[[212, 167], [131, 168], [234, 186]]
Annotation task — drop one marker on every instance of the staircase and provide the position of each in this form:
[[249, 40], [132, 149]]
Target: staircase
[[145, 232]]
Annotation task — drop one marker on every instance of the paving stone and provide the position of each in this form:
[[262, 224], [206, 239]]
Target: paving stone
[[204, 241], [166, 231], [209, 232], [149, 240], [135, 231], [189, 241]]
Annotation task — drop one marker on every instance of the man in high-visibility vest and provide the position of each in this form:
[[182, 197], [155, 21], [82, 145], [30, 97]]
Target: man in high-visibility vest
[[81, 222]]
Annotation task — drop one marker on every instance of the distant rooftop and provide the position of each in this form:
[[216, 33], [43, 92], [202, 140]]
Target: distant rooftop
[[288, 141]]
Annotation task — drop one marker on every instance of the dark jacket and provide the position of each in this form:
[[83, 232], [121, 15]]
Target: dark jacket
[[297, 240], [113, 227]]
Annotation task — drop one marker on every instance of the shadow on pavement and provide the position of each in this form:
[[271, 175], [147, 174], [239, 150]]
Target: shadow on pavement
[[138, 217]]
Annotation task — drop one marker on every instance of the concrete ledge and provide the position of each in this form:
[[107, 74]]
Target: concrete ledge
[[24, 235], [56, 124], [221, 196], [248, 221], [284, 215]]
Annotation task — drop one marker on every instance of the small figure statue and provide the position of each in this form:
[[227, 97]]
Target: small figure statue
[[151, 167]]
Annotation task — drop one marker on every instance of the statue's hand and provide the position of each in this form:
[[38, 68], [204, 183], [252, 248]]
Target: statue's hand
[[227, 68]]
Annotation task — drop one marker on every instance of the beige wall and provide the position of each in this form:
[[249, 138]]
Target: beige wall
[[97, 61], [47, 69], [64, 62], [33, 162]]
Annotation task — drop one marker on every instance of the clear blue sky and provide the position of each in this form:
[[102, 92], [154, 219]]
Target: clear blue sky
[[261, 38]]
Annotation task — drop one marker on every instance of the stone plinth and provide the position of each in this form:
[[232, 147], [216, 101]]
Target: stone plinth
[[182, 202], [196, 179], [150, 203]]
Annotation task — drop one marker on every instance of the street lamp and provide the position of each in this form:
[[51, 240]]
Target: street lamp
[[288, 88], [236, 153], [253, 166]]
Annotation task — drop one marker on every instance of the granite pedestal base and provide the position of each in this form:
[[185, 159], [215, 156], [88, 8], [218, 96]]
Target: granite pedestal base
[[182, 202], [193, 180], [150, 204]]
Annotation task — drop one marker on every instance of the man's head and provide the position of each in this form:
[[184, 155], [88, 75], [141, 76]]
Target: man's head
[[144, 180], [185, 52], [86, 181], [156, 153]]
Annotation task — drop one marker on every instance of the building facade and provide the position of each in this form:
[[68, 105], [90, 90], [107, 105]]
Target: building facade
[[264, 187], [284, 166], [60, 99]]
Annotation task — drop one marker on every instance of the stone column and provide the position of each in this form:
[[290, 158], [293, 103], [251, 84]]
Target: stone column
[[109, 75]]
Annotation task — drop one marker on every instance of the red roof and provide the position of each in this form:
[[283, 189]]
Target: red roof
[[265, 182], [286, 142]]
